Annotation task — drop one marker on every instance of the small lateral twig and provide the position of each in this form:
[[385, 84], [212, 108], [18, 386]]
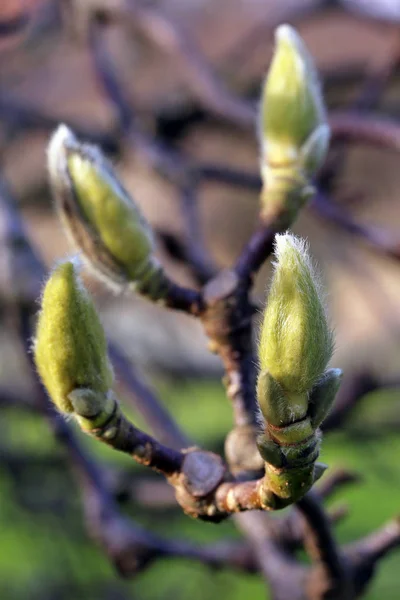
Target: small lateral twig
[[336, 481], [256, 252], [355, 127], [199, 260], [14, 24], [381, 240], [144, 400], [321, 546], [364, 555], [353, 388], [165, 33]]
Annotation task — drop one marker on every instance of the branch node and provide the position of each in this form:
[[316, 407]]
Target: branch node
[[202, 472]]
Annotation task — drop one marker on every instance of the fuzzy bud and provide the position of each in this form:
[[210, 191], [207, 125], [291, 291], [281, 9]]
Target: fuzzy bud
[[101, 217], [296, 342], [70, 348], [293, 119]]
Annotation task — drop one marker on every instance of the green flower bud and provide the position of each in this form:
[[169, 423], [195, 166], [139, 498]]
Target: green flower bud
[[70, 348], [292, 108], [100, 216], [296, 342]]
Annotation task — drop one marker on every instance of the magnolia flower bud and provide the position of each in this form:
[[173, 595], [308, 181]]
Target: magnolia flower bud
[[294, 389], [70, 348], [296, 342], [100, 216], [293, 120]]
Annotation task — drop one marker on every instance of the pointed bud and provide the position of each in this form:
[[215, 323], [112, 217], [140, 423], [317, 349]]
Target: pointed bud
[[70, 348], [292, 107], [100, 216], [296, 342]]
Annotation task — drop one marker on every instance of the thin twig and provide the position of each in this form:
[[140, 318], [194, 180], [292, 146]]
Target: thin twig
[[275, 563], [142, 397], [366, 129], [19, 116], [353, 388], [364, 555], [199, 259], [335, 481], [378, 238], [256, 252], [198, 74], [322, 546], [14, 24]]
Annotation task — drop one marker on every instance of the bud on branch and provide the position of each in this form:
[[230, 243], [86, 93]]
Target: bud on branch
[[101, 218], [70, 352], [294, 129], [70, 348], [296, 342], [295, 391]]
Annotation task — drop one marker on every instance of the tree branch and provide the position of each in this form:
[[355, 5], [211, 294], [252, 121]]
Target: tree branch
[[352, 389], [256, 251], [354, 127], [14, 25], [160, 28], [364, 555], [379, 239], [322, 548], [146, 402]]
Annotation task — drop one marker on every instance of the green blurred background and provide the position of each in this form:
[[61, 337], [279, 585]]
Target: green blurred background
[[45, 552]]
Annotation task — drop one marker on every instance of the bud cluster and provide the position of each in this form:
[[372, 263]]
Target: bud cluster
[[295, 389]]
